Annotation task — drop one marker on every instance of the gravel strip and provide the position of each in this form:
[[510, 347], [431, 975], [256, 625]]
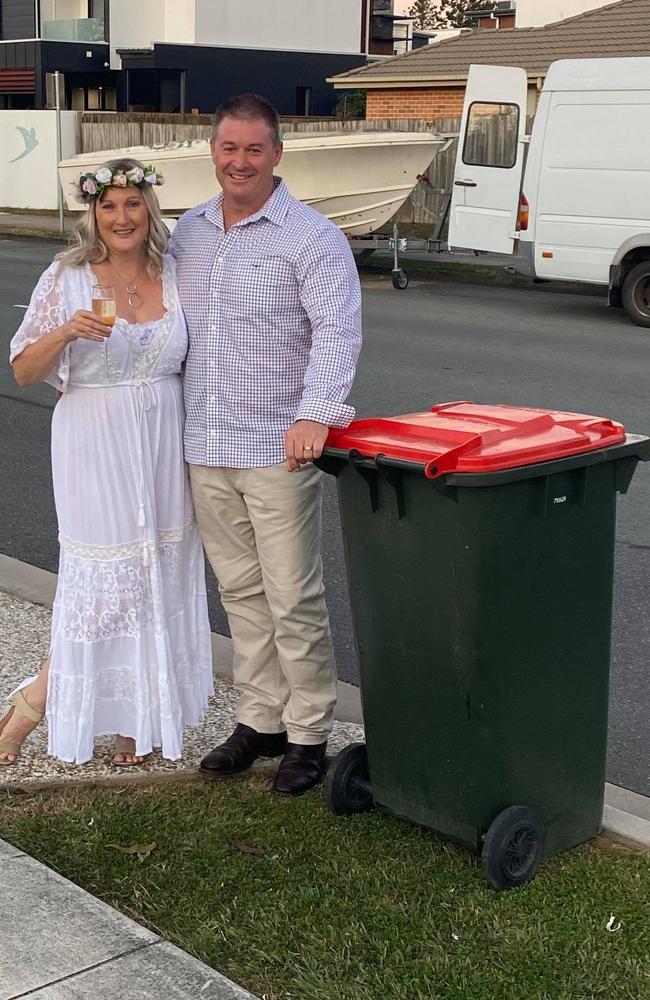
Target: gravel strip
[[24, 640]]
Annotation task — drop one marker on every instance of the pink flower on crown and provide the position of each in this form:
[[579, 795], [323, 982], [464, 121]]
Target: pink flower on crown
[[119, 180], [89, 186], [135, 175]]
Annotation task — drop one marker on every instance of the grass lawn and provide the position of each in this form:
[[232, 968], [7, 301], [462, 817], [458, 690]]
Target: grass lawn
[[362, 908]]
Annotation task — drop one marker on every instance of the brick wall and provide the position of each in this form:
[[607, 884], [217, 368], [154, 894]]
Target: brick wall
[[426, 102], [502, 21]]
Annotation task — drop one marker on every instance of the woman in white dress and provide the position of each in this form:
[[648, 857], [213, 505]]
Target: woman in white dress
[[130, 650]]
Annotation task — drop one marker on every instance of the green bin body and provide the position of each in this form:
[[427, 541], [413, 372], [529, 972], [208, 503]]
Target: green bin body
[[482, 605]]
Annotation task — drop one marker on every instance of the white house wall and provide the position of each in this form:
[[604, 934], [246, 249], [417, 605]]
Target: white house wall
[[28, 176], [303, 25], [306, 25], [532, 13], [137, 25], [180, 22]]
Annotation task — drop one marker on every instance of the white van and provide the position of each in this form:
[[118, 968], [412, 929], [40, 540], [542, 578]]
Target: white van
[[582, 210]]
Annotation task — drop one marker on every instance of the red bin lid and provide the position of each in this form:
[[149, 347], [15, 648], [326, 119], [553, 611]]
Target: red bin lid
[[471, 437]]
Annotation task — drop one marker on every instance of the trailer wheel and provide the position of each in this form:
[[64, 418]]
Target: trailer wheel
[[636, 294], [512, 848], [400, 278]]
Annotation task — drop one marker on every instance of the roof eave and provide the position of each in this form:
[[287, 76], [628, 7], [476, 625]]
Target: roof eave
[[402, 83], [379, 83]]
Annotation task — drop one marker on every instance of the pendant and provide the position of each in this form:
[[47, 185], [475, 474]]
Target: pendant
[[135, 300]]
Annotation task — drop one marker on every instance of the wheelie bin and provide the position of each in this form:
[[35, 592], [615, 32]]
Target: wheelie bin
[[479, 543]]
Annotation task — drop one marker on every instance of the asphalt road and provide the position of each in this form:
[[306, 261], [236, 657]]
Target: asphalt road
[[431, 343]]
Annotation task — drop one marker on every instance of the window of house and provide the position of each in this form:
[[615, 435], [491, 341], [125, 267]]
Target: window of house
[[492, 135], [94, 99], [77, 99], [303, 100]]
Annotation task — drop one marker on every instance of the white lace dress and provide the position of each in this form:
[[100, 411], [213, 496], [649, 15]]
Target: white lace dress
[[131, 650]]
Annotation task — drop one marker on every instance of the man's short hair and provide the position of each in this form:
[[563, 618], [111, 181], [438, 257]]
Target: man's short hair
[[248, 106]]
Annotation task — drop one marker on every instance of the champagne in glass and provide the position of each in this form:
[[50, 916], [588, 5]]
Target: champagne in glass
[[105, 309], [104, 306]]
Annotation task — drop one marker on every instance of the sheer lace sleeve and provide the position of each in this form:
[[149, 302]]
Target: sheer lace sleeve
[[46, 311]]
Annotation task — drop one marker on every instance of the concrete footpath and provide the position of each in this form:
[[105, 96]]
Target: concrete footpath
[[60, 943], [35, 224]]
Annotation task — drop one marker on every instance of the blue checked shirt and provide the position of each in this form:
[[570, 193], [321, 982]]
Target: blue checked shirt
[[273, 309]]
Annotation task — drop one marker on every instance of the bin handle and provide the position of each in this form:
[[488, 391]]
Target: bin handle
[[356, 458]]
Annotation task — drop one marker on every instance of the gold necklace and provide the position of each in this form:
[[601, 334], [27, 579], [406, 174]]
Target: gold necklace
[[135, 298]]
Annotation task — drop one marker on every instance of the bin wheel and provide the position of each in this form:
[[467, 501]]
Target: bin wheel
[[347, 783], [636, 294], [513, 847], [400, 278]]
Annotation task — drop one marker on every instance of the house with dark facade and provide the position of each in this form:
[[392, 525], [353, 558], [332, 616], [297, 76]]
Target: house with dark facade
[[188, 55], [35, 44]]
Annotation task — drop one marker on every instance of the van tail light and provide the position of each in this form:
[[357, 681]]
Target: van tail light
[[523, 213]]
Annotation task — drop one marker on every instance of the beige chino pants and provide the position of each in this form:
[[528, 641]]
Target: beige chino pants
[[261, 529]]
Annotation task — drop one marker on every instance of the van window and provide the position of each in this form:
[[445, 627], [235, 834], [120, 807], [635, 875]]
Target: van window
[[491, 135]]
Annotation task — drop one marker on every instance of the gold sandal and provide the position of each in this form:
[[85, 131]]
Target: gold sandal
[[19, 704]]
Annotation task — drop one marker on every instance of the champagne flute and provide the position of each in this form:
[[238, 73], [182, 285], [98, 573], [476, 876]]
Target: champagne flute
[[105, 309]]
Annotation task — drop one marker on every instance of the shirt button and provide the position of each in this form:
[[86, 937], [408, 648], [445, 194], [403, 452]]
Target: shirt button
[[213, 433]]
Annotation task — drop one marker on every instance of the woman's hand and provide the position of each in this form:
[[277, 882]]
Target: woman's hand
[[84, 325]]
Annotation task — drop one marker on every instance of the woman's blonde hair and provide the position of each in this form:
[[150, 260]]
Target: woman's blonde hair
[[91, 249]]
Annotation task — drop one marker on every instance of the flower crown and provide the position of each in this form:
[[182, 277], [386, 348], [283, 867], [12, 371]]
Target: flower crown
[[92, 185]]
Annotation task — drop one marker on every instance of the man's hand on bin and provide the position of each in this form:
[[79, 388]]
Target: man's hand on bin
[[303, 442]]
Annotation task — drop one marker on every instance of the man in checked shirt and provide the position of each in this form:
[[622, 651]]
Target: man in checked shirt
[[273, 306]]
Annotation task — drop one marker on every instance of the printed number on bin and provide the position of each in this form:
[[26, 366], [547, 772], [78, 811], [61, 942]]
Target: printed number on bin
[[560, 499]]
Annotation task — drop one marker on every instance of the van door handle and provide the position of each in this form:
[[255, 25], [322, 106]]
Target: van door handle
[[465, 184]]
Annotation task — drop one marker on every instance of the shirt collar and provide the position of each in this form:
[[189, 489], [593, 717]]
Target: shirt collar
[[275, 209]]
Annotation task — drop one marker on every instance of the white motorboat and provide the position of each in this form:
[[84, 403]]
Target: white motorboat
[[356, 179]]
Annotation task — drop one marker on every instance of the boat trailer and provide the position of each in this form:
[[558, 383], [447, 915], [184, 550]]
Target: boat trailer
[[364, 246]]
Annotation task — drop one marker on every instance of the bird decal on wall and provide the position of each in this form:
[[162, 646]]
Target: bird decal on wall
[[30, 140]]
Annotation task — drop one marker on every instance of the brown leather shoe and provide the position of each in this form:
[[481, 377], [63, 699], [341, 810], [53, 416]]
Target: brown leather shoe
[[240, 750], [300, 769]]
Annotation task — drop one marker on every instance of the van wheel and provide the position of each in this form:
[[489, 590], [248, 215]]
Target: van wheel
[[636, 294]]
